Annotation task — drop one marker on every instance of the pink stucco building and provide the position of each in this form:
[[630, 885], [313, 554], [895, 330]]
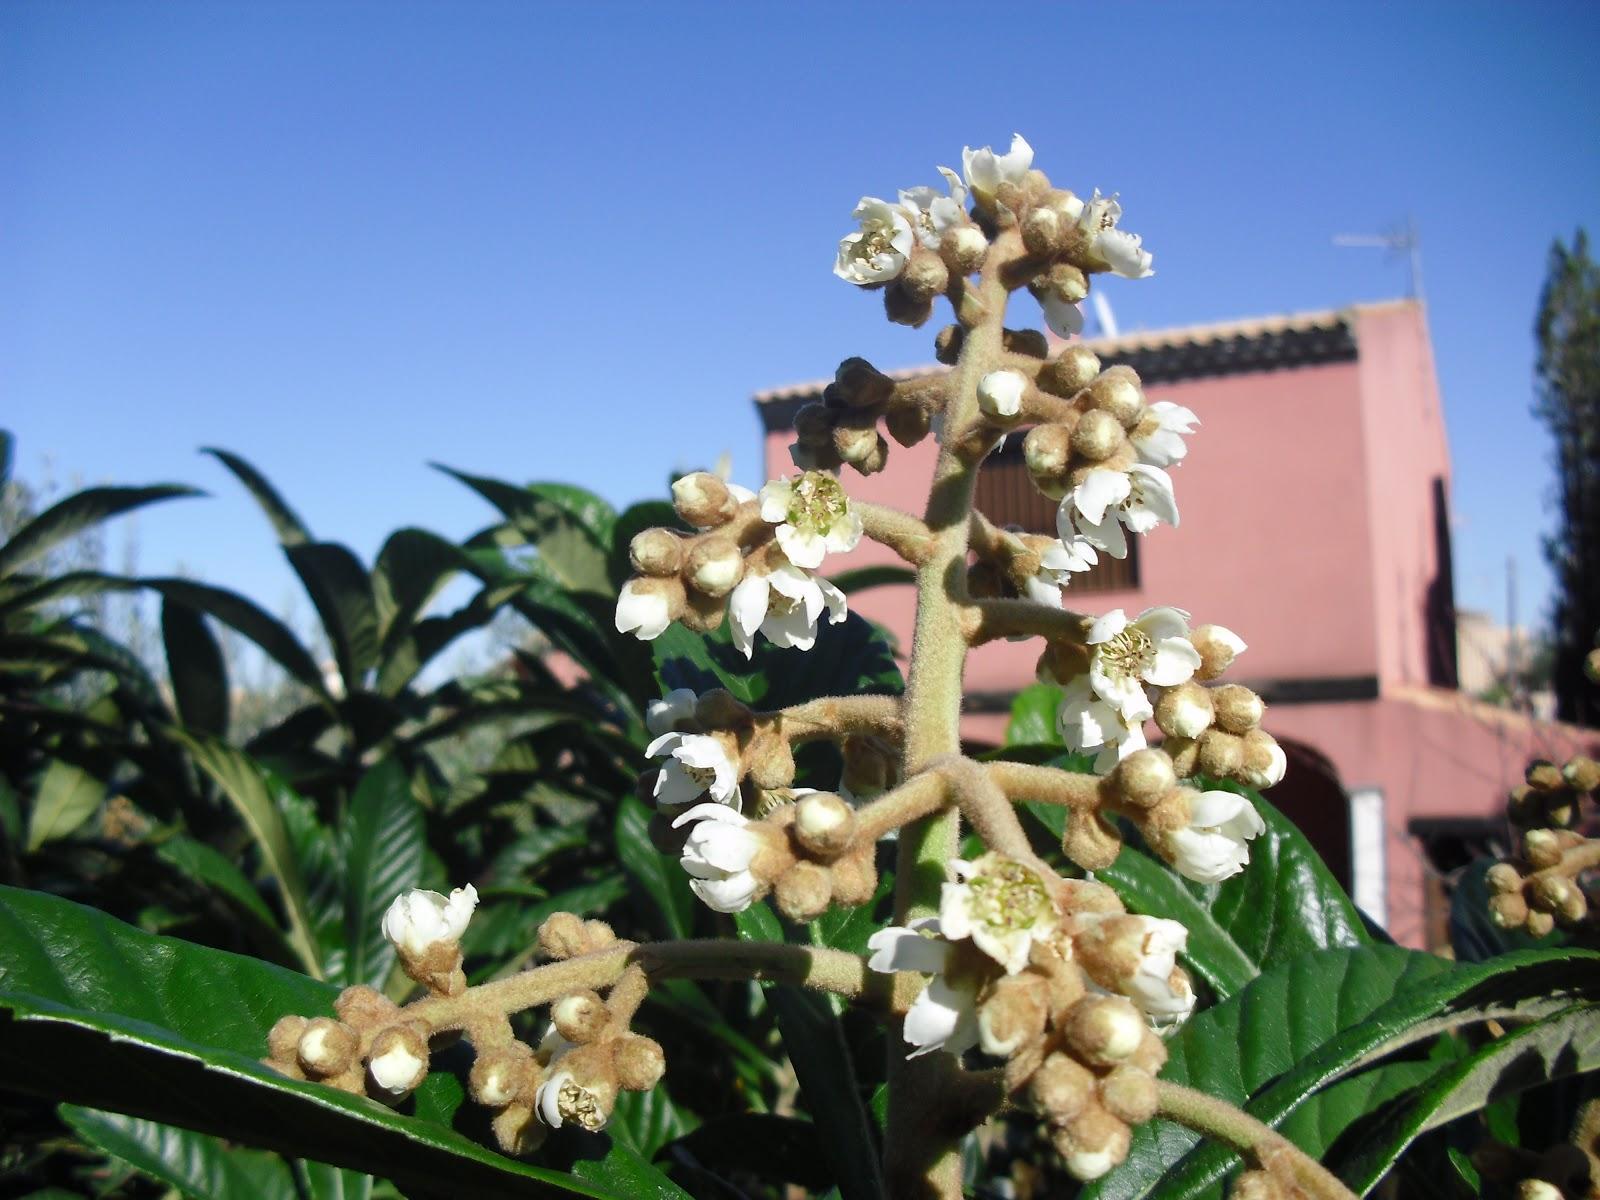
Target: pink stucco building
[[1315, 523]]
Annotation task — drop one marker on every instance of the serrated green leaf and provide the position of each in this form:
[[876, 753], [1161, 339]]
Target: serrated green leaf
[[197, 668], [383, 860], [67, 797], [95, 1012], [290, 529], [200, 1167], [257, 796], [216, 872], [78, 512]]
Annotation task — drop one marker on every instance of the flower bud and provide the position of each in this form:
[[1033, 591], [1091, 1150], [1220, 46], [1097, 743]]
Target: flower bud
[[1061, 1087], [1129, 1094], [499, 1076], [1047, 451], [862, 385], [1239, 710], [1217, 646], [1265, 763], [326, 1047], [1090, 840], [656, 552], [1185, 711], [855, 441], [283, 1040], [1000, 394], [1092, 1143], [855, 877], [1144, 777], [1066, 282], [1502, 878], [1508, 910], [1540, 924], [1185, 755], [1574, 907], [562, 936], [420, 920], [580, 1017], [804, 891], [362, 1007], [1547, 893], [963, 249], [646, 606], [1221, 754], [703, 500], [1044, 232], [639, 1061], [1069, 372], [1524, 806], [597, 935], [925, 276], [1538, 1189], [1028, 342], [517, 1132], [715, 566], [947, 344], [1013, 1013], [1542, 848], [1104, 1030], [1545, 776], [1582, 773], [1117, 392], [823, 824], [398, 1061], [1591, 666], [903, 308], [908, 423], [1097, 436], [813, 423]]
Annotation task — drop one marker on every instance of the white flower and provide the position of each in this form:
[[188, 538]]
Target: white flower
[[1160, 443], [1212, 848], [1097, 509], [1086, 722], [784, 605], [675, 708], [1152, 986], [985, 170], [1001, 904], [642, 611], [1272, 774], [1119, 250], [1000, 393], [718, 855], [1064, 317], [931, 214], [419, 919], [1057, 565], [1125, 655], [944, 1016], [561, 1098], [697, 763], [875, 253], [397, 1070], [813, 515]]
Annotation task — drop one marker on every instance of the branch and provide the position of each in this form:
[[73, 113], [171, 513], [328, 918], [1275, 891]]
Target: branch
[[901, 532], [984, 620], [842, 716], [1047, 785]]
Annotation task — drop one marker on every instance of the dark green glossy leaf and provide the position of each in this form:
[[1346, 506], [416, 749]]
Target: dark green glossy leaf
[[339, 588], [1033, 716], [95, 1012], [216, 872], [822, 1064], [291, 530], [198, 671], [258, 799], [198, 1166], [1473, 936], [646, 1121], [321, 1181], [660, 876], [383, 860], [67, 797], [570, 527], [411, 569], [78, 512], [778, 1148]]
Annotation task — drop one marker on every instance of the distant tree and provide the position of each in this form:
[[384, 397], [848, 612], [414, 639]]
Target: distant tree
[[1568, 401]]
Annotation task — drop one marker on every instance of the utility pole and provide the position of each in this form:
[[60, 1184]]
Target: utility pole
[[1407, 241]]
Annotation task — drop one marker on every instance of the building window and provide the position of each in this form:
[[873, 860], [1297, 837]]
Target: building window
[[1006, 496]]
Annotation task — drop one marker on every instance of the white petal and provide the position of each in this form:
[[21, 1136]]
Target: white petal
[[1106, 536], [1176, 662], [1107, 626], [747, 609], [727, 895], [932, 1019], [834, 599], [804, 548], [711, 812], [901, 949], [776, 496], [677, 705], [1099, 491], [645, 614], [1064, 317], [1163, 621]]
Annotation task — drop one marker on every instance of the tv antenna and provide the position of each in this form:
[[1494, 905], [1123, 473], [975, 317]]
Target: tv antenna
[[1405, 241]]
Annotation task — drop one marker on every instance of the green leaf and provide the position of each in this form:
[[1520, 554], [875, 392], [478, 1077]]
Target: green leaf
[[95, 1012], [257, 797], [339, 588], [1473, 936], [411, 569], [78, 512], [860, 579], [848, 659], [1565, 1043], [384, 859], [1304, 1047], [646, 1121], [648, 514], [197, 1165], [67, 797], [324, 1182], [215, 871], [1033, 716], [291, 530], [570, 527], [199, 672], [662, 877], [822, 1064]]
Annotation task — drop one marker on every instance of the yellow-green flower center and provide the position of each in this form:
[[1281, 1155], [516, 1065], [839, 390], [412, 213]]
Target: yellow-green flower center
[[1007, 896], [1129, 654], [816, 501]]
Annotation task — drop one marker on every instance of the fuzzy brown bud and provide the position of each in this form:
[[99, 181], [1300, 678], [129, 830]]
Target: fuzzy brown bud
[[1013, 1013], [597, 935], [580, 1017], [398, 1061], [1047, 451], [1104, 1030], [283, 1040], [1217, 646], [1028, 342], [1044, 232], [1144, 777], [1090, 840], [1542, 848], [1548, 893], [1545, 776], [947, 344], [1117, 392], [362, 1007], [562, 936], [656, 552], [908, 422], [1092, 1142], [1582, 773], [963, 249], [1185, 755], [326, 1047], [1185, 711], [639, 1061], [1502, 878], [1221, 754], [1069, 372], [925, 276], [1508, 910], [855, 877], [823, 824], [1061, 1087], [1130, 1094], [715, 566], [862, 385], [1524, 806], [1097, 436], [1239, 710], [1540, 924], [813, 423], [804, 891], [499, 1076], [903, 308], [702, 499]]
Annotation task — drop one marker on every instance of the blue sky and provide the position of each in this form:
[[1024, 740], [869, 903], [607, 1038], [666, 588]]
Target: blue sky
[[540, 241]]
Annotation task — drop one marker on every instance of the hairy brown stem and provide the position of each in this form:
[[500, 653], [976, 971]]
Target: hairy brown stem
[[842, 716], [901, 532], [984, 620]]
